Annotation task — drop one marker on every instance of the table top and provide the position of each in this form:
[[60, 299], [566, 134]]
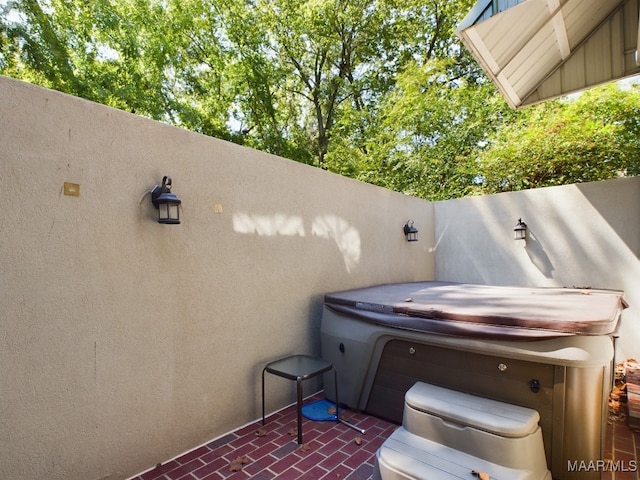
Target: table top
[[299, 367]]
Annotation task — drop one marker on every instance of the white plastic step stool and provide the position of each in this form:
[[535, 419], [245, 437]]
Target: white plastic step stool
[[447, 434]]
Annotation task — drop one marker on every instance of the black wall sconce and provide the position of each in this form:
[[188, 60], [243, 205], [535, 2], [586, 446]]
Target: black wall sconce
[[410, 232], [520, 232], [167, 203]]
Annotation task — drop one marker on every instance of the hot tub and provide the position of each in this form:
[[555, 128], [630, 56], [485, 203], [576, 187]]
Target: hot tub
[[549, 349]]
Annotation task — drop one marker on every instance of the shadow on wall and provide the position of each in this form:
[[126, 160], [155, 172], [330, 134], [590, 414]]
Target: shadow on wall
[[538, 256], [329, 227], [615, 208], [578, 235]]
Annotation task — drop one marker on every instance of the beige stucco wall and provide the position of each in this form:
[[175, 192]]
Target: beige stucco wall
[[579, 235], [124, 342]]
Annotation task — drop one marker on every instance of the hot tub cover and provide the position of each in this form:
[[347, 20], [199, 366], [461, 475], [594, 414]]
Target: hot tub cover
[[484, 310]]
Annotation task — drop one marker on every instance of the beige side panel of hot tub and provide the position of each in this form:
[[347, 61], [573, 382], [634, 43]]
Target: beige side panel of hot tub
[[586, 401]]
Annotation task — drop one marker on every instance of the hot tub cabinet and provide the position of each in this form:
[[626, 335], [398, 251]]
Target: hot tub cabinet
[[545, 349]]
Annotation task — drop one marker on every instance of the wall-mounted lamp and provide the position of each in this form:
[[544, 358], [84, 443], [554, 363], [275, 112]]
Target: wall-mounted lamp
[[410, 232], [520, 232], [167, 203]]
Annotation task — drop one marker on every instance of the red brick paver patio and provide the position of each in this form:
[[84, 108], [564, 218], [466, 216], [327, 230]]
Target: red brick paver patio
[[331, 451], [623, 449]]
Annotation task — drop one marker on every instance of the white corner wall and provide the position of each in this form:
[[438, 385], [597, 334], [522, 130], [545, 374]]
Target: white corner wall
[[124, 342], [585, 235]]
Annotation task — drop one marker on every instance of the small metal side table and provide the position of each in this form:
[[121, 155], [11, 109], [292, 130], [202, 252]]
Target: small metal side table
[[299, 368]]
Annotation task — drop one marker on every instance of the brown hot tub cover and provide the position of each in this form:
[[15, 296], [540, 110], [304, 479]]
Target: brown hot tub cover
[[483, 310]]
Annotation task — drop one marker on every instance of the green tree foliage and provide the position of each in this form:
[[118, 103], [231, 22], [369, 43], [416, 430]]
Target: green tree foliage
[[593, 137], [109, 52], [378, 90], [341, 57], [425, 141], [144, 56]]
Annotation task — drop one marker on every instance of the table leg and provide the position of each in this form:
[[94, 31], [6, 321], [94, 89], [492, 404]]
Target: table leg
[[335, 381], [263, 395], [299, 409]]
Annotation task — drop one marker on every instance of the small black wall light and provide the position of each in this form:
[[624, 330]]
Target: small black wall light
[[410, 232], [520, 232], [167, 203]]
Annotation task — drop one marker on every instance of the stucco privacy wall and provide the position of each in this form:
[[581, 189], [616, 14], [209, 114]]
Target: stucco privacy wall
[[579, 235], [124, 342]]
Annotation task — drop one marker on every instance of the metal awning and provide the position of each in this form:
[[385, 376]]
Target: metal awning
[[535, 50]]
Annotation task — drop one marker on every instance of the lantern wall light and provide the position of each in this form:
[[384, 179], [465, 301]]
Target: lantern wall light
[[166, 202], [410, 232], [520, 232]]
